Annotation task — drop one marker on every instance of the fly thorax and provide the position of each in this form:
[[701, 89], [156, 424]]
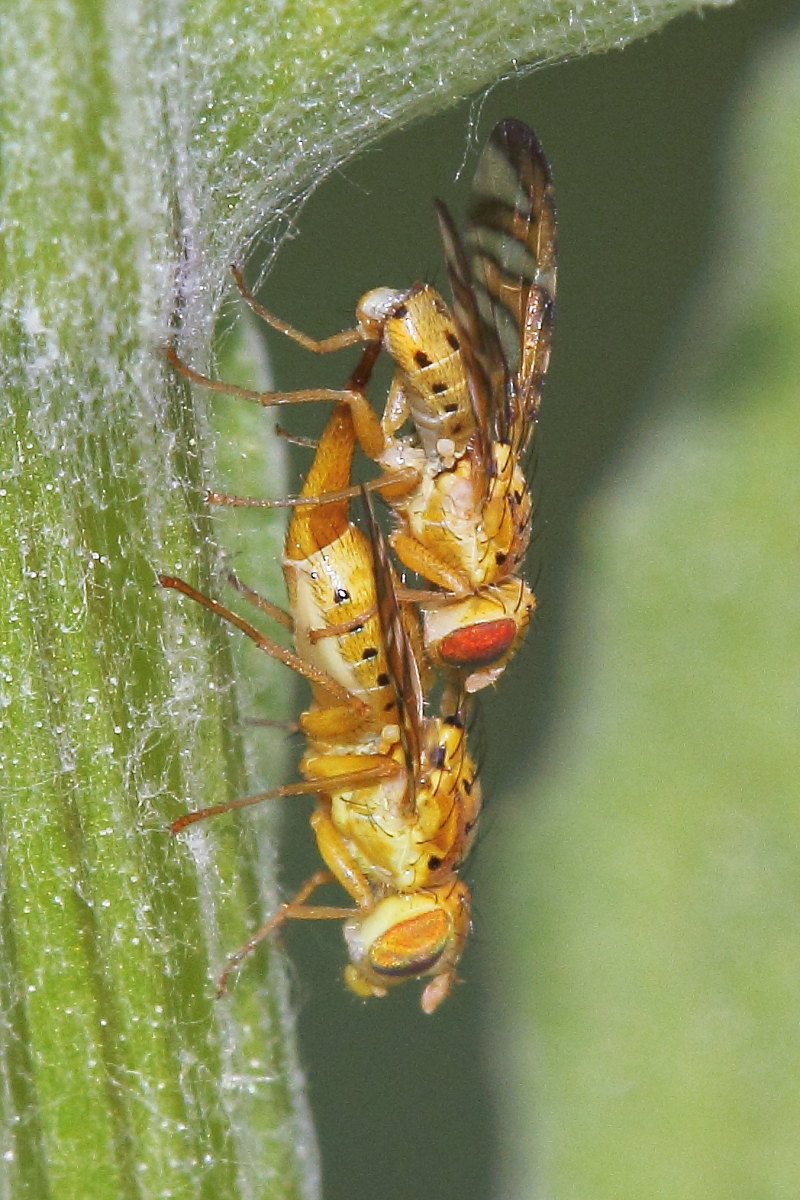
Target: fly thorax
[[448, 805], [445, 499], [442, 514], [459, 489], [373, 817], [379, 832]]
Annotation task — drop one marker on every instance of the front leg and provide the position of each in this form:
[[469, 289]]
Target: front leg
[[295, 909], [367, 425], [336, 341]]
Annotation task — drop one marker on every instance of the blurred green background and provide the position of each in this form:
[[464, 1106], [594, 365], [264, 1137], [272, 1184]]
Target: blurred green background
[[549, 1073]]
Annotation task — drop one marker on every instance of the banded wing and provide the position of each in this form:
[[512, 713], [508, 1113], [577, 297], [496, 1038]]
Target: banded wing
[[400, 654], [512, 254], [480, 349]]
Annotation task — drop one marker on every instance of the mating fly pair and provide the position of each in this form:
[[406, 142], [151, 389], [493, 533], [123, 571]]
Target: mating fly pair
[[397, 796]]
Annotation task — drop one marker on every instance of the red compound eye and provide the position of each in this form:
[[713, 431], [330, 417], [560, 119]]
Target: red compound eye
[[478, 645]]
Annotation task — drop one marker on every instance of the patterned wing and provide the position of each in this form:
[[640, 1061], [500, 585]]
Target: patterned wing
[[480, 349], [400, 656], [512, 254]]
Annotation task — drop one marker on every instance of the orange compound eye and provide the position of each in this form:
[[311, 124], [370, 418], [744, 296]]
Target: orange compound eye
[[407, 935], [478, 645], [402, 936], [411, 947]]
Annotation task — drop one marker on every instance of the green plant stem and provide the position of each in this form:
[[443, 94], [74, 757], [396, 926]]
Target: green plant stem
[[144, 146]]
